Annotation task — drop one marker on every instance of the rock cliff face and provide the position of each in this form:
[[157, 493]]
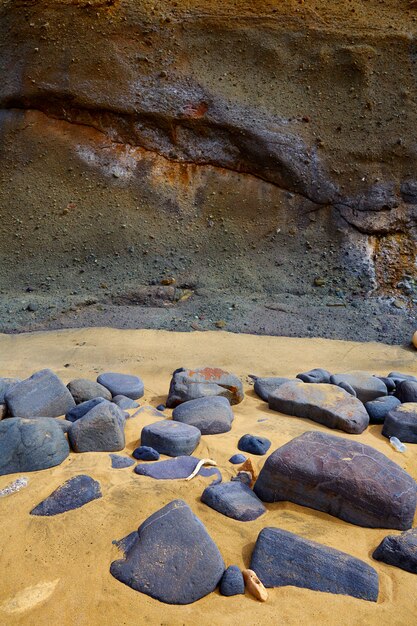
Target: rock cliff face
[[247, 146]]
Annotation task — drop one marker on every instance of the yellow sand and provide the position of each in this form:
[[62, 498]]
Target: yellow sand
[[55, 571]]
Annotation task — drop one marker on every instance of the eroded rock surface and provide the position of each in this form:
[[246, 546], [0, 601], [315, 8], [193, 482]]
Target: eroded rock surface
[[190, 384]]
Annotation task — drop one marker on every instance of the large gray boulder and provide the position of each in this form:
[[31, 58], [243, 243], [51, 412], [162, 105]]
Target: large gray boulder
[[323, 403], [341, 477], [100, 430], [43, 394], [211, 416], [27, 445], [189, 384], [282, 558], [171, 557], [366, 386], [83, 390]]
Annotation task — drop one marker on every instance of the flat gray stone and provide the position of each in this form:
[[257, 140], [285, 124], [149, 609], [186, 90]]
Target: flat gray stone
[[211, 416], [122, 384], [171, 438], [73, 494], [100, 430], [43, 394], [341, 477], [323, 403], [366, 386], [83, 390], [202, 382], [235, 500]]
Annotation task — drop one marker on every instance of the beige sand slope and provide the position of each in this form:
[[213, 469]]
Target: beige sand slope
[[55, 571]]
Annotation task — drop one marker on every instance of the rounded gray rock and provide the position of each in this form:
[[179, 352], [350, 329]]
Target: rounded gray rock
[[122, 384], [43, 394], [83, 390], [211, 416], [171, 438]]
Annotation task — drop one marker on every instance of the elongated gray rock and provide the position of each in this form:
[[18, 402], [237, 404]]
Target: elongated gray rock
[[281, 558], [366, 386], [27, 445], [73, 494], [265, 385], [189, 384], [233, 499], [171, 558], [83, 390], [323, 403], [43, 394], [341, 477], [100, 430], [211, 416], [400, 551], [401, 422]]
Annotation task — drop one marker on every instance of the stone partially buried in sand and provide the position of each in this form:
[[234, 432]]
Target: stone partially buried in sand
[[190, 384], [235, 500], [73, 494], [171, 558], [232, 583], [83, 390], [400, 551], [366, 386], [211, 416], [43, 394], [341, 477], [326, 404], [401, 422], [27, 445], [283, 558], [170, 438], [100, 430], [122, 384], [178, 468]]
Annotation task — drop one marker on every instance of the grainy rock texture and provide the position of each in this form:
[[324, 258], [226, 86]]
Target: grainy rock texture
[[341, 477], [73, 494], [400, 551], [83, 390], [99, 430], [235, 500]]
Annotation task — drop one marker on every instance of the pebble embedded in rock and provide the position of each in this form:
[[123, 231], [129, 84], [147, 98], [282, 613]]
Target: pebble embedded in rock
[[43, 394], [120, 462], [401, 422], [236, 459], [123, 402], [379, 408], [234, 499], [232, 583], [190, 384], [82, 409], [399, 550], [265, 385], [99, 430], [83, 390], [171, 438], [145, 453], [212, 416], [122, 384], [406, 391], [172, 558], [73, 494], [317, 375], [366, 386], [254, 444], [282, 558]]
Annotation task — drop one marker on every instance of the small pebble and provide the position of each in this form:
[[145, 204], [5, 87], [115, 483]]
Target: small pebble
[[236, 459], [145, 453]]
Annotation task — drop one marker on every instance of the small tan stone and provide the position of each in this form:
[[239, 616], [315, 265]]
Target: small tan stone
[[414, 340], [254, 585]]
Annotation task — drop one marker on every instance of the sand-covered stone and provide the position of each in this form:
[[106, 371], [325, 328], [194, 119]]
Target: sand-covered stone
[[83, 390], [171, 438], [379, 408], [82, 409], [235, 500], [401, 422], [399, 550], [341, 477], [73, 494], [283, 558], [265, 385], [178, 468], [366, 386], [43, 394], [122, 384], [172, 558], [317, 375], [323, 403], [119, 461], [212, 415], [27, 445], [190, 384], [99, 430]]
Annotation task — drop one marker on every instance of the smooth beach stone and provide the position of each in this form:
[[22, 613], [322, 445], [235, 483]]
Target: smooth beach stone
[[390, 383], [171, 438], [347, 388], [120, 462], [317, 375], [190, 384], [172, 558], [5, 385], [232, 583], [399, 550], [326, 404], [401, 422], [73, 494], [82, 409], [379, 408], [265, 385], [122, 384], [211, 416], [161, 407], [341, 477], [27, 445], [83, 390], [43, 394], [282, 558], [123, 402], [236, 459], [367, 386], [145, 453], [254, 444], [406, 391], [399, 377], [100, 430], [177, 468], [235, 500]]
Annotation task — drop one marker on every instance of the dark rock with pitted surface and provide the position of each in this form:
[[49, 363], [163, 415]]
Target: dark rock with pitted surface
[[234, 499], [83, 390], [282, 558], [401, 422], [326, 404], [265, 385], [43, 394], [190, 384], [253, 444], [171, 438], [399, 550], [171, 558], [211, 416], [341, 477], [73, 494], [27, 445], [100, 430]]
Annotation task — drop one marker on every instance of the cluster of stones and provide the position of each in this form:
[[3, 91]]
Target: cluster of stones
[[171, 557]]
